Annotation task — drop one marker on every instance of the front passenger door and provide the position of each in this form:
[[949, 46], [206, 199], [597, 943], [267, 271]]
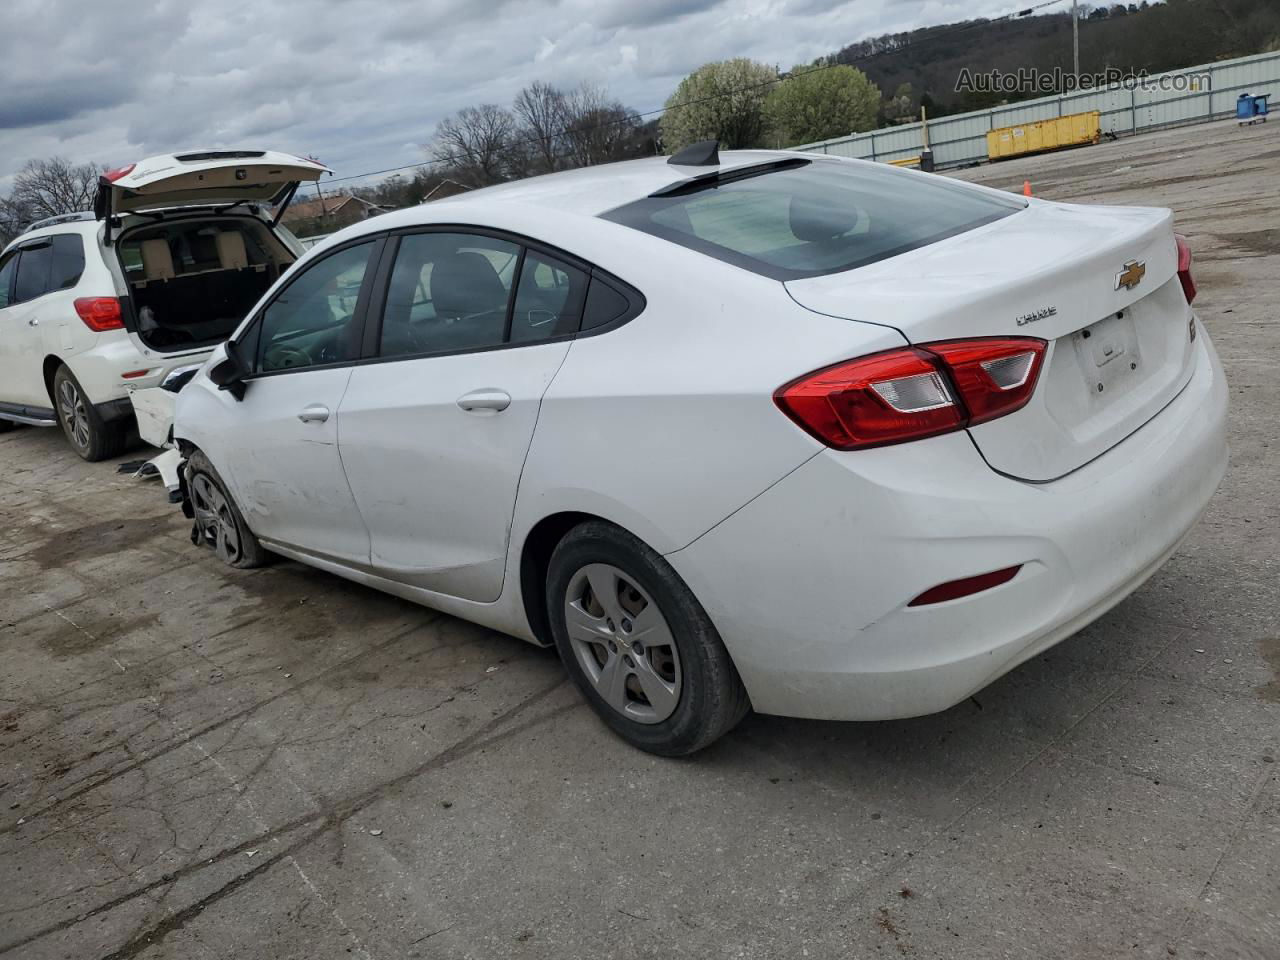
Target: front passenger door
[[282, 456]]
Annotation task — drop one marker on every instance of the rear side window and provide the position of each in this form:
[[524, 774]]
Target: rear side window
[[449, 292], [819, 218], [33, 272], [68, 262], [604, 305], [549, 299]]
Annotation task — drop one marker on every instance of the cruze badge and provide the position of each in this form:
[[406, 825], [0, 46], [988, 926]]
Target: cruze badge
[[1131, 275], [1035, 315]]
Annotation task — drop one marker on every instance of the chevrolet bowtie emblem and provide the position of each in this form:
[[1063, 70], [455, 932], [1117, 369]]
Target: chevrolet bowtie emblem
[[1131, 275]]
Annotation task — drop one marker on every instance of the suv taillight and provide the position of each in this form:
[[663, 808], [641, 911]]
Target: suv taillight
[[1184, 267], [119, 173], [914, 392], [100, 314]]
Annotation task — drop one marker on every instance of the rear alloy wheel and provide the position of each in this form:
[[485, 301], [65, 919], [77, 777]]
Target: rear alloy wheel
[[218, 523], [89, 435], [638, 644]]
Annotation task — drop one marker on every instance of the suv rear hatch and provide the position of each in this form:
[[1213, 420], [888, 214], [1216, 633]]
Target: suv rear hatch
[[208, 178], [1099, 284]]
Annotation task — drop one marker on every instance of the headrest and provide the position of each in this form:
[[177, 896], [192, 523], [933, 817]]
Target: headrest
[[465, 284], [815, 220], [157, 261], [231, 251]]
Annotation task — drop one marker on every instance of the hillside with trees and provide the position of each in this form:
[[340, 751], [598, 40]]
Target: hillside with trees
[[1155, 37]]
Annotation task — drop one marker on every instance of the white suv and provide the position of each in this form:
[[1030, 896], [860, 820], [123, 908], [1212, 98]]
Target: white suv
[[93, 305]]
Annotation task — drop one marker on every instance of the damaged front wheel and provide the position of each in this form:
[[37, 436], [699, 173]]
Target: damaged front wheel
[[218, 522]]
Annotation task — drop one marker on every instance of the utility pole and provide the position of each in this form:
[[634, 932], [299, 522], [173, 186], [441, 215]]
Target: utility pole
[[1075, 39]]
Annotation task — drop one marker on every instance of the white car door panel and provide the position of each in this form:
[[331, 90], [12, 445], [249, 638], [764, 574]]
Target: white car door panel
[[28, 304], [433, 449], [284, 463], [285, 467], [434, 445]]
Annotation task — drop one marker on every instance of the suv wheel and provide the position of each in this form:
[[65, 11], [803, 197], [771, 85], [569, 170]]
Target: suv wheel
[[89, 435], [638, 644]]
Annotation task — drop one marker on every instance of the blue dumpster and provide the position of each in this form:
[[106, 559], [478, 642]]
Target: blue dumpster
[[1250, 108]]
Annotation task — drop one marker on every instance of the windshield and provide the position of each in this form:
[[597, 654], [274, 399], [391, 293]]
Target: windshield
[[819, 218]]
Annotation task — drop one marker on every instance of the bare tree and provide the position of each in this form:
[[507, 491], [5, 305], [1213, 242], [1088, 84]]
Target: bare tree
[[597, 129], [475, 144], [542, 112], [48, 187]]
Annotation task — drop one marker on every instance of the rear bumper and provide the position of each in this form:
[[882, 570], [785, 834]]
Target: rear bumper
[[809, 583], [100, 370]]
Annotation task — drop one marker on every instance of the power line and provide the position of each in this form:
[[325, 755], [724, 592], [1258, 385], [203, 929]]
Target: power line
[[632, 117]]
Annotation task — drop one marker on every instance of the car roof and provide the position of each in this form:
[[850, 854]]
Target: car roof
[[582, 192], [82, 227], [593, 190]]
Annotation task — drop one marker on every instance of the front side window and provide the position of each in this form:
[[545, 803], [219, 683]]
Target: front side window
[[8, 266], [33, 272], [815, 218], [448, 293], [312, 322]]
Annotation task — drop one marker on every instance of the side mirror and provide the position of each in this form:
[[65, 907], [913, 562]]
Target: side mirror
[[230, 372]]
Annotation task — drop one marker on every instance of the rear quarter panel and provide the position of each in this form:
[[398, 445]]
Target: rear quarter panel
[[666, 424]]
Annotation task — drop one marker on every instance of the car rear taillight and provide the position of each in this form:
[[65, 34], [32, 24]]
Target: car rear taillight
[[914, 392], [100, 314], [1184, 267], [111, 176]]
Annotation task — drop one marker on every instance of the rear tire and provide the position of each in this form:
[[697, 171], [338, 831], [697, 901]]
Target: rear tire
[[638, 644], [6, 426], [90, 436], [218, 521]]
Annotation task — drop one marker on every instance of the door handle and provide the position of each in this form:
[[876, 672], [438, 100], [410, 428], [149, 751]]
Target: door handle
[[33, 322], [315, 413], [489, 399]]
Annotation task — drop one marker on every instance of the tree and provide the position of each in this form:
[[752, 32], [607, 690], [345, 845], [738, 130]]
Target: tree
[[900, 108], [52, 186], [475, 145], [719, 101], [543, 113], [819, 102], [597, 129]]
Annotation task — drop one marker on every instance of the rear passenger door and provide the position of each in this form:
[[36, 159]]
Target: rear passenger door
[[39, 300], [436, 422]]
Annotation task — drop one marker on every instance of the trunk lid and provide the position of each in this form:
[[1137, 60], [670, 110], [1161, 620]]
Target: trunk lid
[[203, 179], [1099, 284]]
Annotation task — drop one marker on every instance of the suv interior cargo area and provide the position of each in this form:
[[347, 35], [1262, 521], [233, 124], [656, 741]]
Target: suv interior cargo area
[[191, 282]]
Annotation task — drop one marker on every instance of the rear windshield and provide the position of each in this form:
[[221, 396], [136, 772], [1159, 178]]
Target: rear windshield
[[822, 217]]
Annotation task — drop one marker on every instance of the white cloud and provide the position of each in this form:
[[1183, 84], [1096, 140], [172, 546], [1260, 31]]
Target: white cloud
[[362, 83]]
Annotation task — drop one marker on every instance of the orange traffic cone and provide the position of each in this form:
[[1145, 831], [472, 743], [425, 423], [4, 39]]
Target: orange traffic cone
[[1026, 188]]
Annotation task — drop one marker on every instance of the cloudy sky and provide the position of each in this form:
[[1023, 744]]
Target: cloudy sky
[[362, 83]]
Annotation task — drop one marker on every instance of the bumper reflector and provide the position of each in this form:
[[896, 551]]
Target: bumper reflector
[[954, 589]]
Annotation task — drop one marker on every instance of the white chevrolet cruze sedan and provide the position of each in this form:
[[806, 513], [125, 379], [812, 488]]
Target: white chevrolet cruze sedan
[[817, 437]]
